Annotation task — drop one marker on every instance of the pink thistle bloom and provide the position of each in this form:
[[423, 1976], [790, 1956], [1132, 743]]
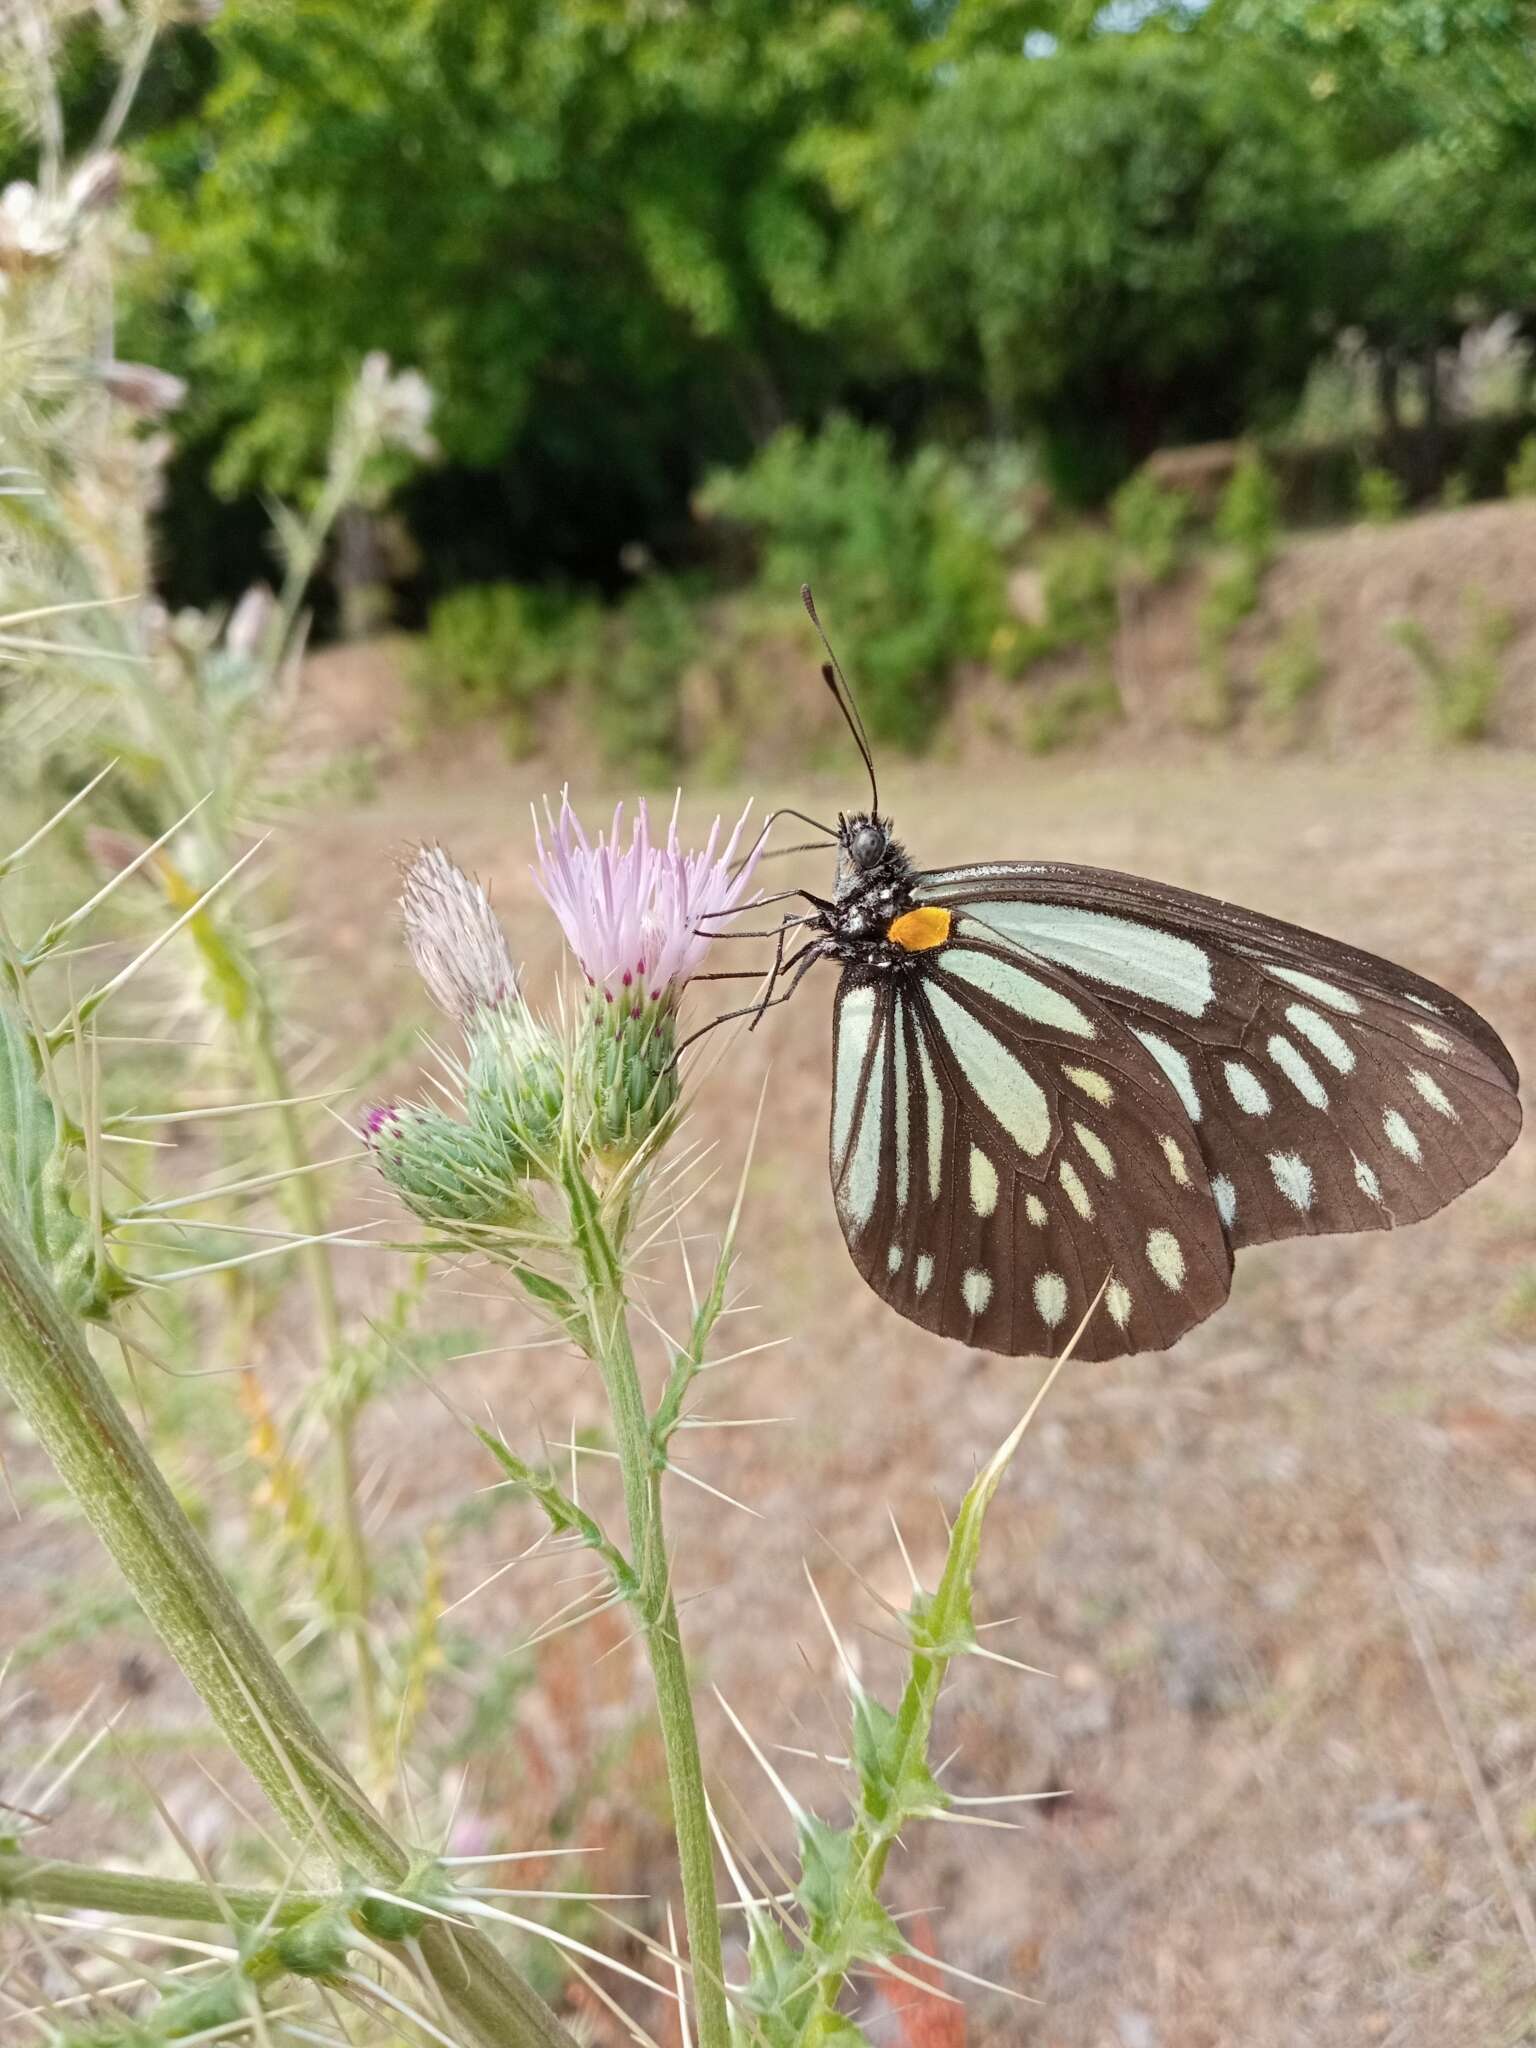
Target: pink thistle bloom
[[640, 917]]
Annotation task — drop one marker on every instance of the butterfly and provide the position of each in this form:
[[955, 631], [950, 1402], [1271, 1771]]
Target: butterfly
[[1058, 1088]]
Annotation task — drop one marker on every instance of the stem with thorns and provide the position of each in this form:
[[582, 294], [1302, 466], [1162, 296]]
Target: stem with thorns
[[642, 1462], [81, 1425]]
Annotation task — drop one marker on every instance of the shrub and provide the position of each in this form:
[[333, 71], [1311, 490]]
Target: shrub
[[1150, 522], [1071, 711], [908, 555], [1520, 477], [637, 693], [1462, 688], [1293, 669], [1248, 517], [496, 649], [1380, 496], [1078, 572]]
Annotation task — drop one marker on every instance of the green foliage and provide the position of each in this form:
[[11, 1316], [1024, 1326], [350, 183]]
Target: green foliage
[[1069, 712], [1077, 572], [636, 689], [1150, 524], [1380, 495], [1520, 477], [1248, 517], [1126, 241], [1293, 670], [906, 554], [499, 648], [1462, 687]]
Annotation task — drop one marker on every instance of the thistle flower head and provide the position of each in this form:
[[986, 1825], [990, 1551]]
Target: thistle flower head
[[639, 917], [456, 940]]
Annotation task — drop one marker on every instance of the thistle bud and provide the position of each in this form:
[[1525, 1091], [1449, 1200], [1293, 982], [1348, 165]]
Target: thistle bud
[[459, 947], [447, 1172], [515, 1082], [628, 1075]]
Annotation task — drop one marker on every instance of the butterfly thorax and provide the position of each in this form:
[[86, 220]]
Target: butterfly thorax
[[875, 918]]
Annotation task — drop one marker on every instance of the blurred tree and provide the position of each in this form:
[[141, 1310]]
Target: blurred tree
[[1428, 109], [1123, 240], [605, 232]]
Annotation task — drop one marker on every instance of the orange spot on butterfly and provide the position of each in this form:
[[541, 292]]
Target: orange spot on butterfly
[[920, 930]]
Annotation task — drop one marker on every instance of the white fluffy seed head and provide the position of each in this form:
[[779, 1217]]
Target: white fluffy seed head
[[455, 938]]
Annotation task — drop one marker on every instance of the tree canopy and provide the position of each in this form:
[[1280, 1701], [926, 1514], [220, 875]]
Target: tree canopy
[[629, 242]]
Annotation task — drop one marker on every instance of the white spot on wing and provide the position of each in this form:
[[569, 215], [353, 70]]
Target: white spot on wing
[[1293, 1177], [983, 1183], [1166, 1257], [1016, 990], [1010, 1093], [1034, 1209], [1117, 950], [1096, 1149], [1117, 1299], [1051, 1297], [1173, 1152], [893, 1259], [1297, 1072], [1323, 991], [1401, 1135], [924, 1273], [1319, 1033], [1091, 1083], [1433, 1094], [1077, 1194], [977, 1290], [1435, 1040], [1365, 1179], [1226, 1199], [1248, 1091], [1177, 1068]]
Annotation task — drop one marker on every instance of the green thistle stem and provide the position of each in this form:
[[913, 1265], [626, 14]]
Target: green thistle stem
[[81, 1425], [642, 1467], [37, 1881]]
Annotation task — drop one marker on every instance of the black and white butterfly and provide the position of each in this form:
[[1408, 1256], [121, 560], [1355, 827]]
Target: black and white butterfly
[[1046, 1077]]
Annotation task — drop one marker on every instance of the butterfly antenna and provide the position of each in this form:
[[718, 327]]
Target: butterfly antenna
[[832, 675]]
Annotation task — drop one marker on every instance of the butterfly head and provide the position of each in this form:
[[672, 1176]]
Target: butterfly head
[[869, 858]]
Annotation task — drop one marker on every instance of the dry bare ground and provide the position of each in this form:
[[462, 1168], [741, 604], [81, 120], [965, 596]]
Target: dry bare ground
[[1269, 1836]]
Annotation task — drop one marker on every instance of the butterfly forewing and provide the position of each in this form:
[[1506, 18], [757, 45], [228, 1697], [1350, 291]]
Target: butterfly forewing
[[1325, 1089], [1002, 1147]]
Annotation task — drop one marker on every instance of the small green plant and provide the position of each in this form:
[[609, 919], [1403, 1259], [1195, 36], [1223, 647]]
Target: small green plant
[[1380, 495], [913, 548], [1520, 477], [1151, 523], [1248, 517], [1070, 712], [1078, 574], [1292, 671], [636, 694], [1456, 491], [496, 649], [1462, 687]]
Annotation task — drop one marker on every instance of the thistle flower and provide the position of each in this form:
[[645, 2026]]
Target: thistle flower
[[640, 917], [455, 937]]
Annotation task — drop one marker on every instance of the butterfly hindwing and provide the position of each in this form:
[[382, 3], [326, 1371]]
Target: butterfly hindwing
[[1327, 1089], [1002, 1146]]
